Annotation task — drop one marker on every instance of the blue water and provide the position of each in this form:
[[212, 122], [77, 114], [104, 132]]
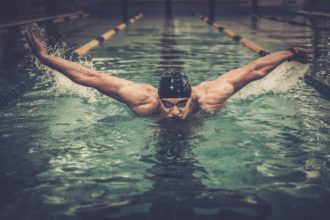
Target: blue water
[[68, 152]]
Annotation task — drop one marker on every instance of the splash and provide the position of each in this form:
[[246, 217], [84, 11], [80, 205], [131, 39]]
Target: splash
[[58, 84], [285, 77]]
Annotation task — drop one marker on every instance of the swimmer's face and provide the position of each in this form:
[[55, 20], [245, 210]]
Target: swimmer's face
[[176, 108]]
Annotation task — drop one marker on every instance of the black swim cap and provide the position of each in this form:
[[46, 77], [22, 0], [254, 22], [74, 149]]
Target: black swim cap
[[174, 84]]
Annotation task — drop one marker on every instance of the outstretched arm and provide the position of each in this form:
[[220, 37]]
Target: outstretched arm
[[260, 68], [216, 92], [123, 90]]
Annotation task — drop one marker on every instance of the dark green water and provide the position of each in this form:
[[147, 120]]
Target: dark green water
[[69, 153]]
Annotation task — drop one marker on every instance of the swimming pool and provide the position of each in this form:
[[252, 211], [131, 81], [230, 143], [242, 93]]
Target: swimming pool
[[69, 153]]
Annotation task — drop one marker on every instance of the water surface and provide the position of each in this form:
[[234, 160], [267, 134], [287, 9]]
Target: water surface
[[68, 152]]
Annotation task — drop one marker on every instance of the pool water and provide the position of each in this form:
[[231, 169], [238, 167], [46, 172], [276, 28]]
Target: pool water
[[68, 152]]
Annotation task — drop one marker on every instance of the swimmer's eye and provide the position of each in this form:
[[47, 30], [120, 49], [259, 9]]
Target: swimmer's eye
[[180, 104], [167, 104]]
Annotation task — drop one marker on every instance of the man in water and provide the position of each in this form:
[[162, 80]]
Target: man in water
[[174, 98]]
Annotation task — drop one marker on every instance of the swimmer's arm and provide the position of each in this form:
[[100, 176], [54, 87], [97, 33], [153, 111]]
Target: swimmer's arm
[[123, 90], [258, 69], [128, 92]]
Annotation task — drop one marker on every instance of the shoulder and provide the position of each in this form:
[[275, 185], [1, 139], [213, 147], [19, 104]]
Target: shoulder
[[210, 96], [148, 101], [149, 88], [214, 87], [148, 109], [136, 94]]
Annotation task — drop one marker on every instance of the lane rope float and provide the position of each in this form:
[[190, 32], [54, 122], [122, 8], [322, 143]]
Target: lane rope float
[[321, 87], [11, 92], [86, 48], [14, 91], [229, 33]]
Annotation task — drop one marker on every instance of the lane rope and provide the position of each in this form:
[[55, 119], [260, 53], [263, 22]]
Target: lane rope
[[56, 19], [233, 35], [11, 92], [321, 87], [296, 23], [96, 42]]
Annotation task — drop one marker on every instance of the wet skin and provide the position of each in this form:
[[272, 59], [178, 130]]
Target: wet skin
[[143, 99]]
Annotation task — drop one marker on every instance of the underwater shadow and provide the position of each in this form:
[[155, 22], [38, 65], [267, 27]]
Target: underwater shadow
[[176, 192]]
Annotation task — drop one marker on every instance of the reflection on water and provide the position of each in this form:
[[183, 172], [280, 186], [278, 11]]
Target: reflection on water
[[176, 193], [80, 155]]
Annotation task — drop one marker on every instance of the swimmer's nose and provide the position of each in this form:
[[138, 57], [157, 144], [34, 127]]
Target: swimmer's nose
[[175, 111]]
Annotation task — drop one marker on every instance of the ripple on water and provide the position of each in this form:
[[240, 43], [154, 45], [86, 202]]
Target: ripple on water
[[73, 151]]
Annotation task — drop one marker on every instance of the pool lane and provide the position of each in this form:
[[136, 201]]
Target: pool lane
[[91, 157]]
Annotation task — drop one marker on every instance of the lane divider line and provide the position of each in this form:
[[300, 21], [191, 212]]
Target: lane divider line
[[11, 92], [296, 23], [56, 19], [320, 86], [311, 13], [228, 32], [86, 48]]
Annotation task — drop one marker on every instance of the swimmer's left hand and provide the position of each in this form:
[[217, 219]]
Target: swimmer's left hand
[[302, 55]]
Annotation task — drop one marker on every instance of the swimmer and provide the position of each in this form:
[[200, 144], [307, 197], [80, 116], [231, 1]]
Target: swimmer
[[174, 98]]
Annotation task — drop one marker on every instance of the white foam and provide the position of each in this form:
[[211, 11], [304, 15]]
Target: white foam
[[60, 84], [283, 78]]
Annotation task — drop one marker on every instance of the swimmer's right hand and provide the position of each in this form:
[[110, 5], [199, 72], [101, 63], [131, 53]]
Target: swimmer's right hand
[[37, 47]]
